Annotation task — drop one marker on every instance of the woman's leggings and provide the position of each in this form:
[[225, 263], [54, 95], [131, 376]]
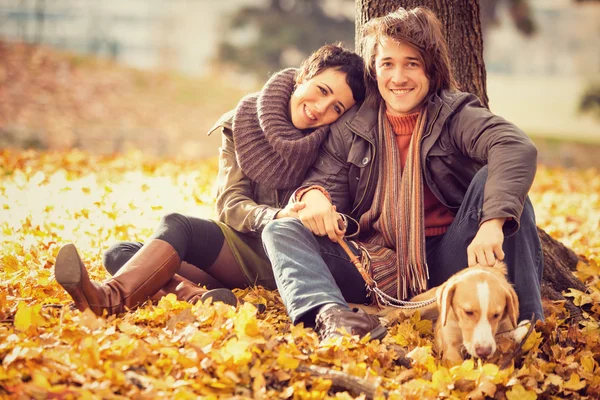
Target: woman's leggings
[[198, 241]]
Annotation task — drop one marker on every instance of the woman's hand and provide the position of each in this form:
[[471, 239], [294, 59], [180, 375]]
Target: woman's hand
[[320, 216], [486, 247], [290, 211]]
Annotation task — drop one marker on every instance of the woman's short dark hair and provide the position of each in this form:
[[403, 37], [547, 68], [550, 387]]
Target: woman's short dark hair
[[336, 57], [418, 28]]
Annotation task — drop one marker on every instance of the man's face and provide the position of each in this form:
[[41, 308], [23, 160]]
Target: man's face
[[401, 77]]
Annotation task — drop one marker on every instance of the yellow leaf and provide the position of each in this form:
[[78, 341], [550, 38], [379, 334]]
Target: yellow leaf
[[28, 316], [10, 263], [286, 360], [574, 383], [490, 370], [259, 385], [532, 341], [89, 351], [466, 370], [518, 392], [182, 394], [579, 298], [422, 355], [203, 339], [41, 381], [588, 363], [245, 321], [238, 351], [485, 389], [555, 380], [442, 380]]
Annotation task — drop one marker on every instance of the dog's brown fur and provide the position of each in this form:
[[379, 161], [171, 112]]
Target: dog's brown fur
[[459, 307]]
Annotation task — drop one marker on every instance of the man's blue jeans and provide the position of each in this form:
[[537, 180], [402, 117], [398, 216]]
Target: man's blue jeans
[[311, 271]]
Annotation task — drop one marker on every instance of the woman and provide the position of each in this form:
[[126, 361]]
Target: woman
[[269, 141]]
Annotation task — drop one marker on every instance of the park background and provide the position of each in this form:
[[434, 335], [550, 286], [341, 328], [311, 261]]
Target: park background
[[104, 109], [192, 60]]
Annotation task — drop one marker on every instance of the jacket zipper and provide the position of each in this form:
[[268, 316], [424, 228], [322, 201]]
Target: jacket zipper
[[370, 169], [422, 139], [432, 123]]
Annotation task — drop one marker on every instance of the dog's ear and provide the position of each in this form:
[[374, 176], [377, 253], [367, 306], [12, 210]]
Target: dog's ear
[[501, 266], [512, 305], [444, 299]]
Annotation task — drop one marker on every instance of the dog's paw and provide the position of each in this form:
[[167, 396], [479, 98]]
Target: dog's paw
[[521, 330]]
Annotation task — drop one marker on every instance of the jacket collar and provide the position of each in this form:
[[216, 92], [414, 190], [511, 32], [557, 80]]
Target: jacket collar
[[225, 121], [363, 121]]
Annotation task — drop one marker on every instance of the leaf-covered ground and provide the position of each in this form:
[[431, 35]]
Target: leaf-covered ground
[[52, 99], [175, 350]]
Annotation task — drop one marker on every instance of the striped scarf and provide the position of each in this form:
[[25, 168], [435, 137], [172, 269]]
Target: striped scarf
[[395, 221]]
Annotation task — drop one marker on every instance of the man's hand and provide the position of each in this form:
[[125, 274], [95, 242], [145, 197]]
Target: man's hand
[[320, 216], [291, 210], [486, 247]]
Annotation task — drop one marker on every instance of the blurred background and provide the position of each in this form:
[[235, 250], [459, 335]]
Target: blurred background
[[112, 76]]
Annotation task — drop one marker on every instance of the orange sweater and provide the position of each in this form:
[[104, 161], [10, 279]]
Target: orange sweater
[[437, 216]]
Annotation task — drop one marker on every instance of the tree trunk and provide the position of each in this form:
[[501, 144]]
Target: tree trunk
[[460, 21]]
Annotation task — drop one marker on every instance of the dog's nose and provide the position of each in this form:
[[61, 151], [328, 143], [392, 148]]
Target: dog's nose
[[483, 351]]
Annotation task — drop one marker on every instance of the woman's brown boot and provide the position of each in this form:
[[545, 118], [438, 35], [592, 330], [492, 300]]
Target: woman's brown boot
[[186, 290], [141, 277]]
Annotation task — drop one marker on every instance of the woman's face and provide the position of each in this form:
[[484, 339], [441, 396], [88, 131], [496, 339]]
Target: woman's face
[[320, 100]]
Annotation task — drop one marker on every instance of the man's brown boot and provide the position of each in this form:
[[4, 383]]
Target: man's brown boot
[[140, 278], [355, 321], [186, 290]]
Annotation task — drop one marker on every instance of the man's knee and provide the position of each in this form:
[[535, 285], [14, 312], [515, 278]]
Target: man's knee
[[283, 227]]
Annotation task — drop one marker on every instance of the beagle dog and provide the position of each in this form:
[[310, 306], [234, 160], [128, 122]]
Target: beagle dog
[[473, 305]]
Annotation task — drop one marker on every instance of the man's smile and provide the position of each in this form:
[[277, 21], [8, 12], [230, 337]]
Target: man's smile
[[400, 92]]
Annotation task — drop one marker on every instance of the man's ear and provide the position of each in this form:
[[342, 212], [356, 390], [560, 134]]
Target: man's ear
[[444, 299]]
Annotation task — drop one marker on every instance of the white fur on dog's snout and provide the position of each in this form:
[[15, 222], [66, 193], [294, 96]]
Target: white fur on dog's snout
[[483, 336]]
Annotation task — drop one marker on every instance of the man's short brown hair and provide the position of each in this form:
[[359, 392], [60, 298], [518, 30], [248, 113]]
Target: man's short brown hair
[[418, 28]]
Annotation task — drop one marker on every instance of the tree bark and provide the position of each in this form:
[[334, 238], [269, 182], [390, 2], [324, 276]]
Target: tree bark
[[460, 21]]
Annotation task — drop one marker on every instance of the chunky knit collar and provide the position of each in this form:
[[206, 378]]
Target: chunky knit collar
[[402, 124], [269, 148]]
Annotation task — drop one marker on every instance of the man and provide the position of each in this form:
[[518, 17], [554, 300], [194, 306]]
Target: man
[[435, 180]]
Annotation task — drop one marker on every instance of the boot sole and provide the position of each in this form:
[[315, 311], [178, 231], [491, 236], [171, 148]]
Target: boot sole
[[378, 333], [222, 295], [67, 269], [67, 272]]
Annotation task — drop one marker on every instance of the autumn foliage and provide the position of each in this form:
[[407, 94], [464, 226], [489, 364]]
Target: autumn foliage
[[52, 99], [176, 350], [213, 351]]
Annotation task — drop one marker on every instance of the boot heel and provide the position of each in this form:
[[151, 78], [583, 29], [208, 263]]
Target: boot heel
[[378, 333], [67, 269], [223, 295]]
